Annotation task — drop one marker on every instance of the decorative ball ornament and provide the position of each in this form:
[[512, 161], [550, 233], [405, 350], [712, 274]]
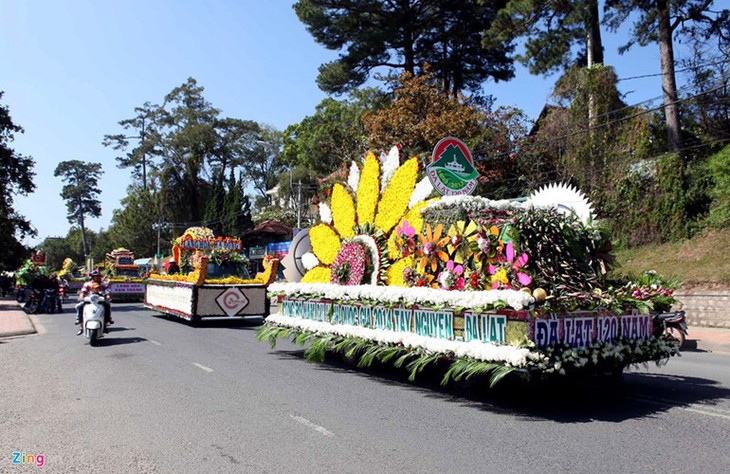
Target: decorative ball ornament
[[565, 199]]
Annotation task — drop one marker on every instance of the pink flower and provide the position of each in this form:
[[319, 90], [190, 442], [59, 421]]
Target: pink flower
[[406, 230], [521, 261]]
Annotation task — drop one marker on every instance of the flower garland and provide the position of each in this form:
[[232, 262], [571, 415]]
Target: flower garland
[[317, 275], [464, 360], [396, 295]]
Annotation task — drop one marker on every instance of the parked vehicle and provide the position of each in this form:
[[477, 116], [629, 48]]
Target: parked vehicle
[[673, 324]]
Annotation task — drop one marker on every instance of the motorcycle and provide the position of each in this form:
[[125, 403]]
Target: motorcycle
[[63, 293], [50, 302], [34, 302], [672, 324], [93, 321]]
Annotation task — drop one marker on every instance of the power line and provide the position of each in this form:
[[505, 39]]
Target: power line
[[710, 63]]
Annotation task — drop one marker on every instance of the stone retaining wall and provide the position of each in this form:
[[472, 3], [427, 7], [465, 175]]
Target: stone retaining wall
[[710, 308]]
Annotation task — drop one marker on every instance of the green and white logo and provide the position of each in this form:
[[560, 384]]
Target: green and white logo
[[452, 170]]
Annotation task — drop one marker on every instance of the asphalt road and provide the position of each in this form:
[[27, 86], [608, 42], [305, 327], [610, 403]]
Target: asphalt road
[[162, 396]]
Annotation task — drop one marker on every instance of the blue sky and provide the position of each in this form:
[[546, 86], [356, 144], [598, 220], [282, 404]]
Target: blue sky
[[72, 69]]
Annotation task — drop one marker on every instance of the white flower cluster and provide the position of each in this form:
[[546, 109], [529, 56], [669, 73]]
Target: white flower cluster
[[423, 190], [388, 165], [309, 260], [353, 177], [510, 355], [408, 296], [325, 213], [472, 203]]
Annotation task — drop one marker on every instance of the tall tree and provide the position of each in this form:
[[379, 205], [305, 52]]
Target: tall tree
[[81, 193], [660, 21], [400, 36], [236, 216], [558, 33], [137, 128], [187, 148], [134, 225], [16, 178], [334, 134], [263, 159]]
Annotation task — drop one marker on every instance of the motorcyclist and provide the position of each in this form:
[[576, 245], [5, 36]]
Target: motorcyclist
[[53, 285], [94, 286]]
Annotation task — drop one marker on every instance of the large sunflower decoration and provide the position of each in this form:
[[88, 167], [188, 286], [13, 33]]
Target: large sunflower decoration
[[378, 196]]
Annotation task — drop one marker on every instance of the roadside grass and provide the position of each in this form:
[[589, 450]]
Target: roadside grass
[[703, 261]]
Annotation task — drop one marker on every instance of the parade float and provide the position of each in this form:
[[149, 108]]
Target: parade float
[[406, 268], [124, 277], [213, 281], [71, 273]]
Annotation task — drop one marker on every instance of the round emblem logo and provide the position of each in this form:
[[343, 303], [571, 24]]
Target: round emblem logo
[[452, 169]]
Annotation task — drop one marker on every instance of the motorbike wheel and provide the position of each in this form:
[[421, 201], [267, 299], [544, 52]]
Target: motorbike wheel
[[677, 335], [93, 337], [31, 307]]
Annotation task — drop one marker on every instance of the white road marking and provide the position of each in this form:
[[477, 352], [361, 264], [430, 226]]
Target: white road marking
[[693, 407], [202, 367], [319, 429], [155, 342], [708, 413]]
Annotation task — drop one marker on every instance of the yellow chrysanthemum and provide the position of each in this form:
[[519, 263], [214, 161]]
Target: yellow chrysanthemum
[[394, 274], [343, 211], [368, 189], [325, 243], [394, 201], [317, 275], [382, 211]]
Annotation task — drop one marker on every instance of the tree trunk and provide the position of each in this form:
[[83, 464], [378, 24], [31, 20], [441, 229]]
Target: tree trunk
[[594, 46], [594, 53], [669, 85]]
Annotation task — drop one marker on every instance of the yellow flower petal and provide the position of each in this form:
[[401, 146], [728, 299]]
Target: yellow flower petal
[[394, 274], [394, 201], [368, 190], [325, 243], [343, 211], [317, 275]]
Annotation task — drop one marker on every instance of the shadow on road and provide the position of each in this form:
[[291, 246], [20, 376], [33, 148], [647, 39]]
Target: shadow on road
[[117, 341], [563, 400], [247, 324]]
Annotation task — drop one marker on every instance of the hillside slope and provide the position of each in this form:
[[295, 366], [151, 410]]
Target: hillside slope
[[703, 261]]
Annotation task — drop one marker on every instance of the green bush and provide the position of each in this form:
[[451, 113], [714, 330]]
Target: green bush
[[719, 166]]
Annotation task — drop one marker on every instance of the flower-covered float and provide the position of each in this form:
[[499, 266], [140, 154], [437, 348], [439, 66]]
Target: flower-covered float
[[475, 286], [124, 276], [213, 281], [70, 272]]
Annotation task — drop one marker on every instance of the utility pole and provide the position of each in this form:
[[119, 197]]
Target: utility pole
[[299, 204]]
